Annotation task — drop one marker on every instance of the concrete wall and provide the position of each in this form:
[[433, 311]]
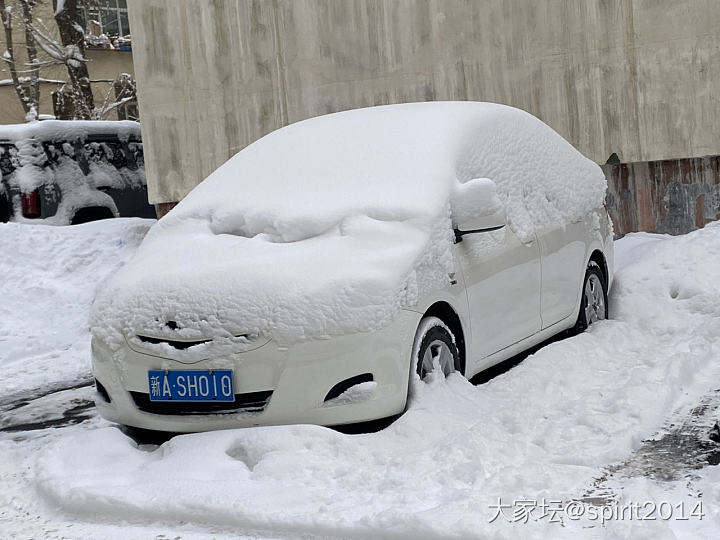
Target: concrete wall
[[639, 78], [103, 64]]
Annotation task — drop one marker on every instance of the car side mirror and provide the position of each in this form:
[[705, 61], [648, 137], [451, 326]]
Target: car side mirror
[[476, 208]]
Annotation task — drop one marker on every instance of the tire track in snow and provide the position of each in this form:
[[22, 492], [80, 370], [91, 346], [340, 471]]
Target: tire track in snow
[[674, 453], [59, 405]]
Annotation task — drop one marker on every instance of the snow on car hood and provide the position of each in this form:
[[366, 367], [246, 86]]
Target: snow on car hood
[[333, 224]]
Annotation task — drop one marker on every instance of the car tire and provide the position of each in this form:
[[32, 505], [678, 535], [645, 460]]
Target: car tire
[[4, 209], [146, 436], [436, 342], [91, 213], [594, 299]]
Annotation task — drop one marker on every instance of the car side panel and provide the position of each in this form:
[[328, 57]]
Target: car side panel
[[562, 255], [565, 253], [502, 279], [454, 295]]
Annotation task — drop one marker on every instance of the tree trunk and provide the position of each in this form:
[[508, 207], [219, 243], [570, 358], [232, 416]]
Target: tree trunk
[[27, 8], [72, 35], [9, 58]]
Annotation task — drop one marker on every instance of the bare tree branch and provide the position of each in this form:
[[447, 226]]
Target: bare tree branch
[[43, 49], [57, 53], [126, 91]]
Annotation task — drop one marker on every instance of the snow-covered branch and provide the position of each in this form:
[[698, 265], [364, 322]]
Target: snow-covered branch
[[70, 55], [125, 92]]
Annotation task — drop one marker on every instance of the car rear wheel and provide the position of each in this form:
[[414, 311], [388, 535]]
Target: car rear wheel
[[436, 349], [594, 304], [4, 209], [91, 213]]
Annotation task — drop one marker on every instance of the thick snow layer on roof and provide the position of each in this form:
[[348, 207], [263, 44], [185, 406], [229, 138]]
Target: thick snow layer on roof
[[333, 224], [68, 130]]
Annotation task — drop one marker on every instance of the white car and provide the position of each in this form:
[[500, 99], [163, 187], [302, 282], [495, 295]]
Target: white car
[[319, 271]]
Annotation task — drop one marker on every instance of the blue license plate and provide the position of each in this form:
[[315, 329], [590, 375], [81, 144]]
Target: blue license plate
[[191, 385]]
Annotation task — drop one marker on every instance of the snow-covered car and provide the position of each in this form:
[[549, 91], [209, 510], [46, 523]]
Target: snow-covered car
[[60, 172], [324, 268]]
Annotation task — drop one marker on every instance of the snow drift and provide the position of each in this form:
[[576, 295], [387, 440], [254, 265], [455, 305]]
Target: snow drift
[[68, 130], [544, 430], [333, 224], [47, 282]]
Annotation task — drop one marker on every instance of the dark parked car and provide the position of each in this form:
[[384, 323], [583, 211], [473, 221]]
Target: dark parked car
[[68, 172]]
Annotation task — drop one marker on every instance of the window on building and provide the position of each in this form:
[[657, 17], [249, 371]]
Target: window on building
[[106, 17]]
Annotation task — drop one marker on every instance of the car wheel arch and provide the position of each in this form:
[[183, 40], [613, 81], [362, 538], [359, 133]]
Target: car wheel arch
[[445, 312], [87, 214], [598, 257]]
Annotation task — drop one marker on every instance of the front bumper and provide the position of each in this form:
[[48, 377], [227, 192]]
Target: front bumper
[[299, 378]]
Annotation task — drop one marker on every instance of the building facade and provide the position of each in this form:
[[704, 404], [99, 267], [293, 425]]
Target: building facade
[[638, 80]]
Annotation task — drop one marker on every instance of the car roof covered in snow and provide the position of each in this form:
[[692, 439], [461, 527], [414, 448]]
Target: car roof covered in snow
[[394, 161], [70, 130]]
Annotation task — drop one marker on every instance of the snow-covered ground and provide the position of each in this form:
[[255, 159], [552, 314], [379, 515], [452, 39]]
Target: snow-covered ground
[[47, 281], [587, 425]]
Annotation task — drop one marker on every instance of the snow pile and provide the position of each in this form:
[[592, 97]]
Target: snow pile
[[331, 225], [546, 429], [47, 281], [465, 197], [69, 130], [30, 173]]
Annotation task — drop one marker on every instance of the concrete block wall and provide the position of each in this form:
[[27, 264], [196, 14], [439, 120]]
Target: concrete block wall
[[636, 78], [640, 78]]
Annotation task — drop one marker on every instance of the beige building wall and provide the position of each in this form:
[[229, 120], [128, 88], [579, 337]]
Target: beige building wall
[[103, 64], [639, 78]]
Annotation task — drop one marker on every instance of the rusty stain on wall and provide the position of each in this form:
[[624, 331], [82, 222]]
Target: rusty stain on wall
[[669, 196]]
